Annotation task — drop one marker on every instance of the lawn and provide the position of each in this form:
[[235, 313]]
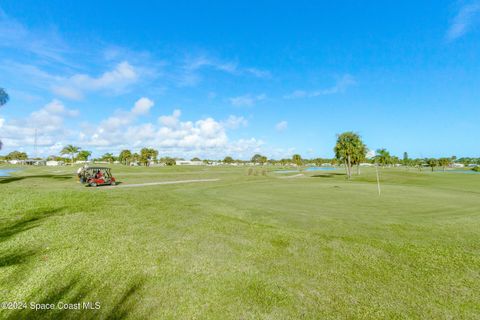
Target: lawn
[[243, 247]]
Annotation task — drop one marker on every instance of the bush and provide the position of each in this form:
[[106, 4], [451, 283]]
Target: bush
[[476, 169]]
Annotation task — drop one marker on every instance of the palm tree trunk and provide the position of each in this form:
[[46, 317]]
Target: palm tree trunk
[[347, 169], [349, 164]]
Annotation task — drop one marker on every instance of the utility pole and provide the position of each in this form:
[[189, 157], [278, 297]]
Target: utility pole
[[35, 150]]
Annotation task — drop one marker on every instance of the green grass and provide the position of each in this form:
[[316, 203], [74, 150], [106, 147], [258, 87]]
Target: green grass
[[244, 247]]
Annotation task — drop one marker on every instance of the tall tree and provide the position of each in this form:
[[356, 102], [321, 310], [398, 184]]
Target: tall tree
[[135, 157], [406, 160], [228, 160], [383, 157], [84, 155], [108, 157], [70, 150], [444, 162], [297, 159], [147, 155], [16, 155], [359, 156], [4, 97], [125, 156], [258, 158], [349, 145], [432, 163], [3, 100]]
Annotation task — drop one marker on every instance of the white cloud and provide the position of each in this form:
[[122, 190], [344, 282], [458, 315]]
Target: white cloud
[[247, 100], [68, 92], [281, 126], [235, 122], [205, 137], [172, 120], [142, 106], [48, 123], [340, 86], [57, 107], [114, 81], [190, 72], [464, 21]]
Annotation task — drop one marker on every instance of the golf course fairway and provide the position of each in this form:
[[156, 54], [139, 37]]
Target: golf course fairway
[[239, 246]]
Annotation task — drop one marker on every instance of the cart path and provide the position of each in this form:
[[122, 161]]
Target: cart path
[[294, 176], [161, 183]]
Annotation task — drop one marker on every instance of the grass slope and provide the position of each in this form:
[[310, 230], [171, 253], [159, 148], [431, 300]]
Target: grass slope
[[243, 247]]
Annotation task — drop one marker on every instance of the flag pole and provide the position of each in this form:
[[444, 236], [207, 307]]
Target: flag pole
[[378, 178]]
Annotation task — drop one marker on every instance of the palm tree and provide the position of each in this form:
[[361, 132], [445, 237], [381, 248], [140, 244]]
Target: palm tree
[[432, 163], [125, 156], [348, 147], [3, 100], [444, 162], [383, 157], [297, 159], [359, 156], [70, 150], [84, 155], [108, 157], [258, 158], [3, 97]]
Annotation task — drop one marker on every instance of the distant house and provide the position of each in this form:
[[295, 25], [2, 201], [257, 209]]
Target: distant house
[[54, 163], [16, 161], [35, 162], [458, 165], [366, 164], [188, 163]]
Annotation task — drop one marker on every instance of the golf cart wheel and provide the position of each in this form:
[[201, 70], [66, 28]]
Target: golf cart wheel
[[113, 183], [93, 184]]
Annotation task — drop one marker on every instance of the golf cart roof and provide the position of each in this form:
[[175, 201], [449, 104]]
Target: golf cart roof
[[97, 168]]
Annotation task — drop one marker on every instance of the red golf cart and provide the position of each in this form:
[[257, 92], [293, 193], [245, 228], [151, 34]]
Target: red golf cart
[[97, 176]]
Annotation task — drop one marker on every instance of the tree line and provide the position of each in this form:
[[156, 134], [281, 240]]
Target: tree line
[[350, 152]]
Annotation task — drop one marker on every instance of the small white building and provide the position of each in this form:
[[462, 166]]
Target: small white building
[[54, 163], [458, 165], [83, 161], [188, 163], [366, 164], [15, 161]]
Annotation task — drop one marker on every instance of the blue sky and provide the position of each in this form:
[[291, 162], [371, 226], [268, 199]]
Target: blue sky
[[215, 78]]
